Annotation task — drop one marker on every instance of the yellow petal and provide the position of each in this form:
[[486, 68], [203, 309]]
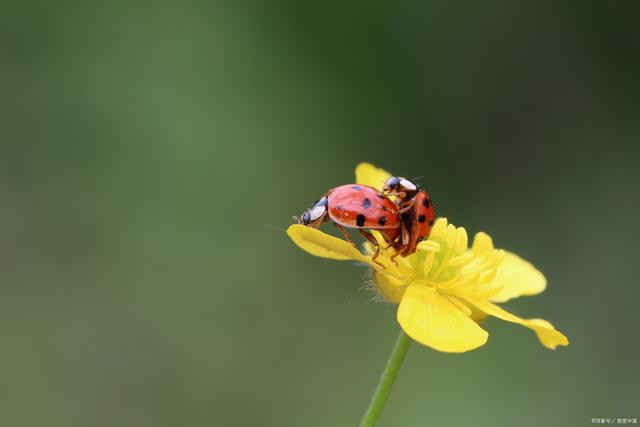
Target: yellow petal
[[367, 174], [433, 320], [516, 277], [323, 245], [547, 334]]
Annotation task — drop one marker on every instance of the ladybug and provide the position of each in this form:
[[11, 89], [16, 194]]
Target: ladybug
[[416, 212], [356, 206]]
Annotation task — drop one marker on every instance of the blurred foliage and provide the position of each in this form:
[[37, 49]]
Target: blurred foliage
[[149, 149]]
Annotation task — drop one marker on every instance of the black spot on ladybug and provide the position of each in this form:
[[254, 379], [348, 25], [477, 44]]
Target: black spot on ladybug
[[430, 222], [382, 220], [425, 202], [360, 219], [356, 187], [421, 218], [366, 203], [384, 208]]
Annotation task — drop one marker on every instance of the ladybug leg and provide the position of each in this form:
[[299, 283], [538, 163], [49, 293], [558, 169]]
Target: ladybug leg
[[398, 194], [405, 206], [375, 244], [393, 258], [405, 209], [345, 234], [397, 246]]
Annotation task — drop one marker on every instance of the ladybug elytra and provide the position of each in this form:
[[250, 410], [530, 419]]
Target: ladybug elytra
[[356, 206]]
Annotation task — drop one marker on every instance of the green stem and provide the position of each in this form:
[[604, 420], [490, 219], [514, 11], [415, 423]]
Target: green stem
[[386, 380]]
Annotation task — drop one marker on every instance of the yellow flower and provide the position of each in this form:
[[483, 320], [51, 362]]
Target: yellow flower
[[445, 288]]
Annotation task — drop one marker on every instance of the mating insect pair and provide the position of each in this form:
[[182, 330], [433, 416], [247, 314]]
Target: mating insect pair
[[403, 223]]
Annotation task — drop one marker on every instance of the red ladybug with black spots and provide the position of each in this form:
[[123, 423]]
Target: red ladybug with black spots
[[356, 206], [416, 212]]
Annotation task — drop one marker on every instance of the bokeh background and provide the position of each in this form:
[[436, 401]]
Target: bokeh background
[[151, 154]]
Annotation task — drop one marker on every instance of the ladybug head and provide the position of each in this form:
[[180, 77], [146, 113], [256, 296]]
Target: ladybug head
[[399, 186], [315, 215]]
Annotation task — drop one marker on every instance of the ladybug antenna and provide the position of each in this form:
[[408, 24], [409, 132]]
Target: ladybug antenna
[[417, 178], [296, 219], [274, 227]]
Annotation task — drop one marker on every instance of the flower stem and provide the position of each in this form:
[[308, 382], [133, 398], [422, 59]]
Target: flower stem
[[386, 380]]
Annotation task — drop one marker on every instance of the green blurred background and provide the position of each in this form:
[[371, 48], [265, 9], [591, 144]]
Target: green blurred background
[[150, 152]]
